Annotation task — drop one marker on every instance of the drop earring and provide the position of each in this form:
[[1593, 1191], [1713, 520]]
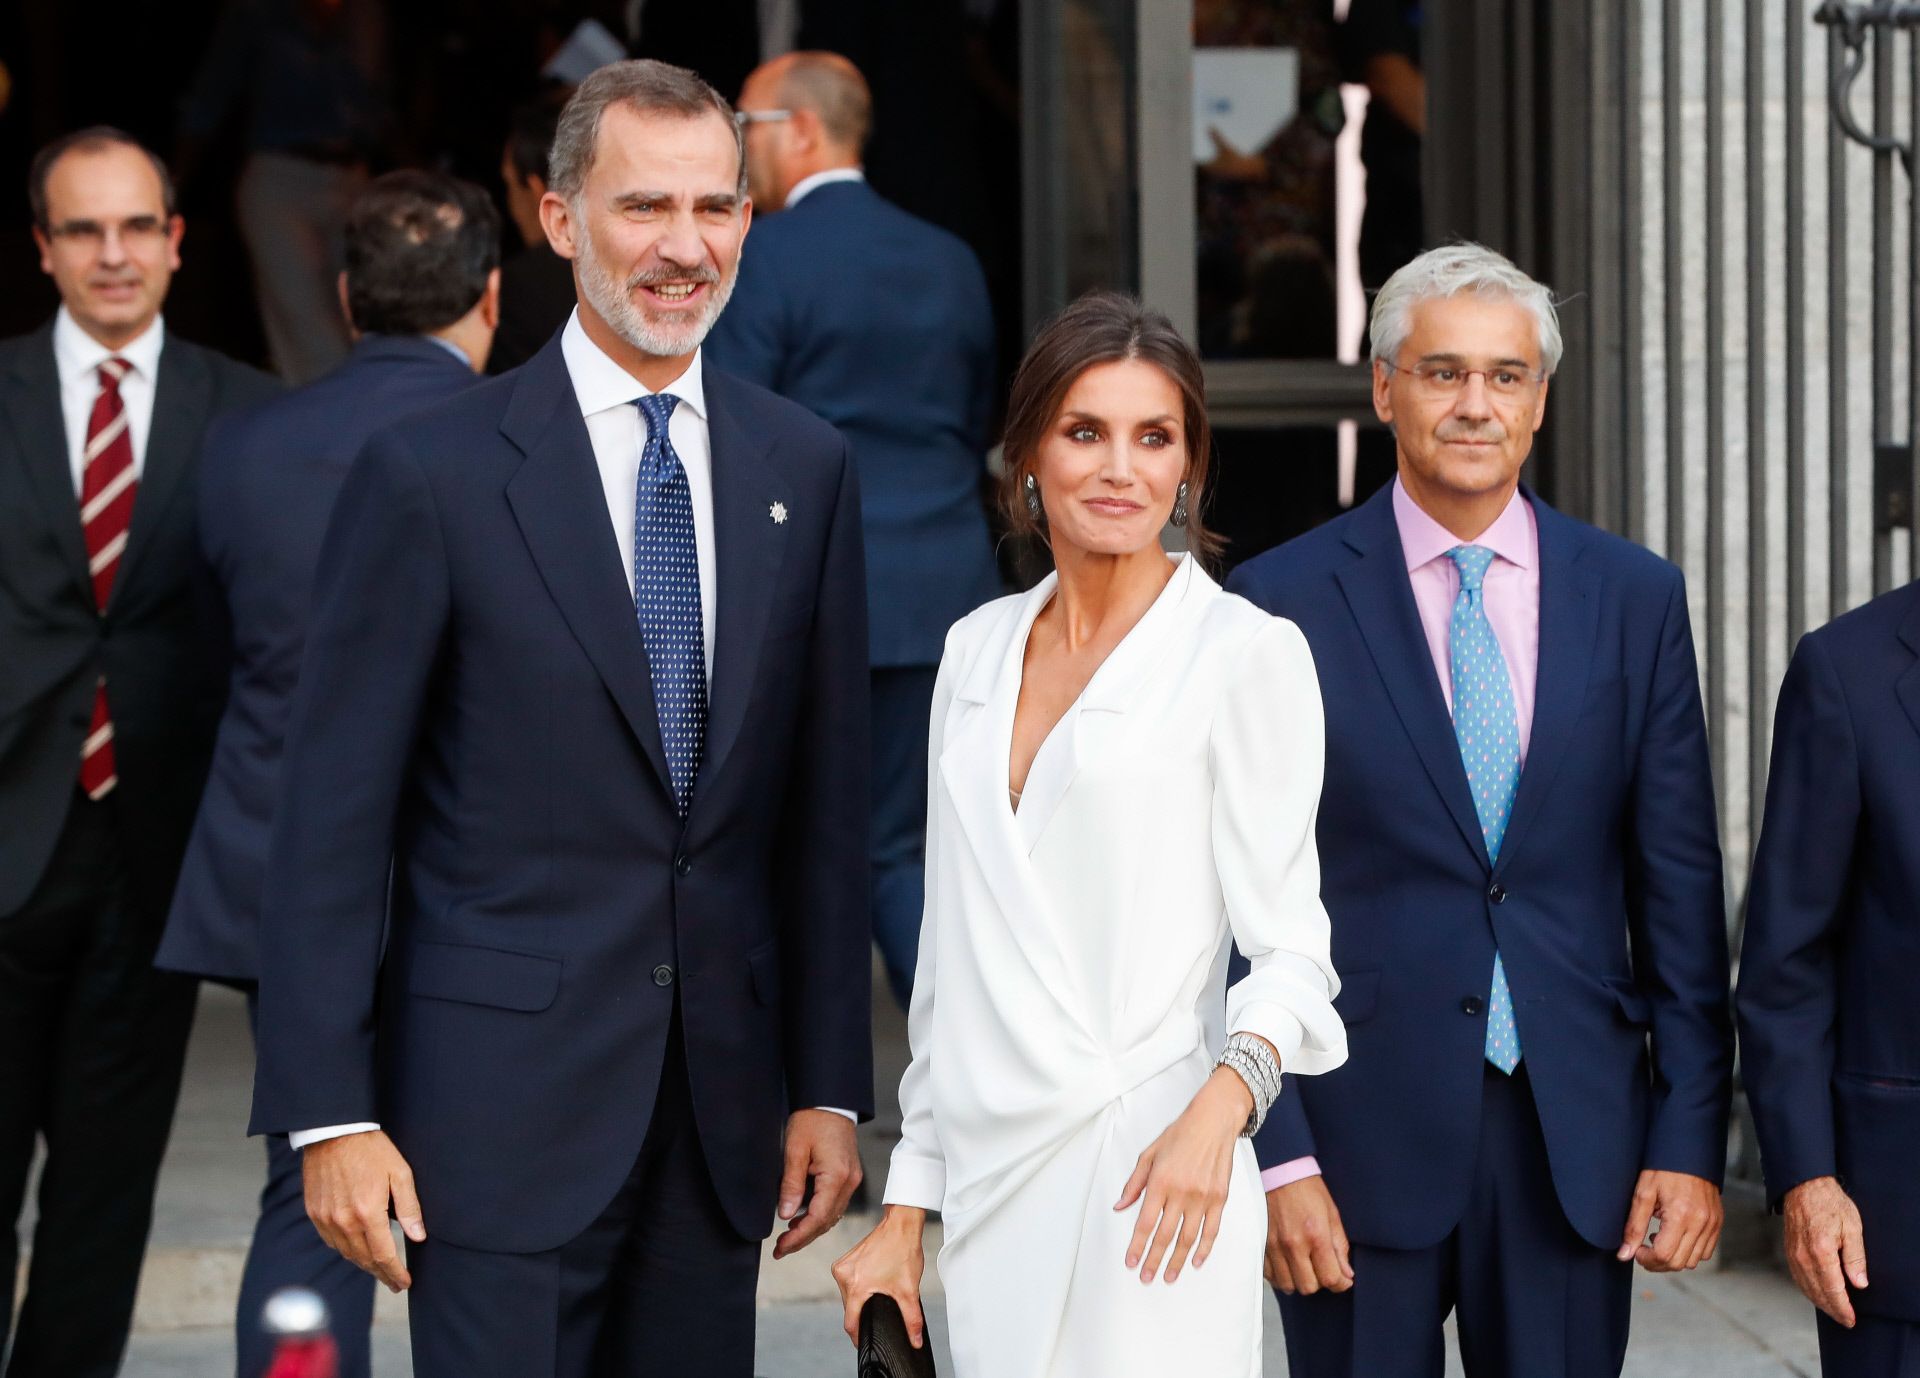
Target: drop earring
[[1032, 488], [1180, 512]]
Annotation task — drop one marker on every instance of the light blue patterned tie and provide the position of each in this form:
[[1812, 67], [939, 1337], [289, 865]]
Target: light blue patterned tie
[[666, 597], [1488, 729]]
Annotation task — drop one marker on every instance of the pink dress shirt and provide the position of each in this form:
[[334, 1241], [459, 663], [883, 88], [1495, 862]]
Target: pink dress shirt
[[1512, 592]]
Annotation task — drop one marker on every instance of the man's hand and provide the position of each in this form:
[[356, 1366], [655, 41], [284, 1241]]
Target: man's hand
[[349, 1181], [1306, 1243], [1826, 1245], [820, 1145], [1690, 1217]]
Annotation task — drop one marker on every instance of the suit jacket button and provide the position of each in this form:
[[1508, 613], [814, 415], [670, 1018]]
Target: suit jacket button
[[1498, 894], [663, 975], [682, 865], [1472, 1005]]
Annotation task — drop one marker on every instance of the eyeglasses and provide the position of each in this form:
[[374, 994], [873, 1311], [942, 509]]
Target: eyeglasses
[[743, 118], [1448, 380], [140, 231]]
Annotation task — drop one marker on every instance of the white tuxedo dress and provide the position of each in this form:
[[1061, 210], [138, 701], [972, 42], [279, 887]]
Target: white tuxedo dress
[[1069, 997]]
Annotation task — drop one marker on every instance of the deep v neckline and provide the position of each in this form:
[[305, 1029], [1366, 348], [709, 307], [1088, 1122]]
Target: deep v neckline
[[1048, 746]]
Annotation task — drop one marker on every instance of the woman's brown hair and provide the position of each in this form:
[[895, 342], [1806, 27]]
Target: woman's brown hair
[[1103, 328]]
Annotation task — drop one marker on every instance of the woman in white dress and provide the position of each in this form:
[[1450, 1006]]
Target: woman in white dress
[[1125, 765]]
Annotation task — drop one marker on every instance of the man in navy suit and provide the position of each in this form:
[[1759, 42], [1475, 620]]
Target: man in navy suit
[[1519, 853], [878, 322], [1829, 1026], [422, 290], [587, 665]]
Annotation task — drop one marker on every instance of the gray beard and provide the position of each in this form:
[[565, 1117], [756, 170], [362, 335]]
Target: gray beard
[[614, 303]]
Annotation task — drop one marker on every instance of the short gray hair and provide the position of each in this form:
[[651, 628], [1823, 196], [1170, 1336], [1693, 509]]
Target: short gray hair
[[1457, 270], [646, 86]]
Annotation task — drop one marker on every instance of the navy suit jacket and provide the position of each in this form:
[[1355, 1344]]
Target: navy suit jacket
[[880, 323], [1829, 1022], [161, 661], [269, 475], [475, 704], [1606, 902]]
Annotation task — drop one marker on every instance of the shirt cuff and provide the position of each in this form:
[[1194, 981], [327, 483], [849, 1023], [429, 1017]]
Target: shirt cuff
[[1286, 1174], [302, 1138], [836, 1110]]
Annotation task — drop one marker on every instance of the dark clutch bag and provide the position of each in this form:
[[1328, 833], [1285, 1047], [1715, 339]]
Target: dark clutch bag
[[885, 1350]]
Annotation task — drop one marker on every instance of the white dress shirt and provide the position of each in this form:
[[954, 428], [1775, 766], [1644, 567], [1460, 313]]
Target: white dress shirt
[[77, 357], [822, 179], [617, 431]]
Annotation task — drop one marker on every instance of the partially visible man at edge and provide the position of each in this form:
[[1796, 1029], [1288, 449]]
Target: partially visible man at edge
[[108, 699]]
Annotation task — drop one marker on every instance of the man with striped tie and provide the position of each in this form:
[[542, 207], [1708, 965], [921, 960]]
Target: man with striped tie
[[587, 662], [1519, 855], [109, 691]]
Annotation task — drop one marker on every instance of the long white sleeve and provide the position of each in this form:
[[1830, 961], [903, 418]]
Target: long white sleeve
[[1268, 753], [917, 1175]]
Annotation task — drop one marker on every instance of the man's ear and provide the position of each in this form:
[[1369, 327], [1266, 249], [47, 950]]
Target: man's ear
[[490, 301], [556, 218]]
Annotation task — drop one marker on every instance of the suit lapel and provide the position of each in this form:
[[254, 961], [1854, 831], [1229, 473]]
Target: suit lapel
[[749, 549], [561, 508], [1381, 598], [1569, 612], [182, 404], [40, 433], [1907, 687]]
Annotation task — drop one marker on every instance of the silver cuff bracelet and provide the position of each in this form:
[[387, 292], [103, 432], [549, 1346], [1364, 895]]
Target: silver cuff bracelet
[[1252, 1060]]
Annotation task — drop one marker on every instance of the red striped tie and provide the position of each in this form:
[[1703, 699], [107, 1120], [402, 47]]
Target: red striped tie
[[106, 506]]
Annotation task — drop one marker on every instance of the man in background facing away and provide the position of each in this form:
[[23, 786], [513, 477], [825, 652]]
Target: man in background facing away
[[421, 289], [878, 322]]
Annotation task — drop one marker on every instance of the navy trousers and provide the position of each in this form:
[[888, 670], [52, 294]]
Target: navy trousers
[[1876, 1347], [659, 1286], [288, 1252], [902, 700], [1534, 1300]]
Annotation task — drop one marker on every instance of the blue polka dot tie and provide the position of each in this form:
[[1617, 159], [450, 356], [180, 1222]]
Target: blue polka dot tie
[[666, 599], [1488, 730]]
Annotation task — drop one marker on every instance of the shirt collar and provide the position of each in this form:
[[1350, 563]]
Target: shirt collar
[[600, 384], [820, 179], [451, 348], [1512, 536], [76, 353]]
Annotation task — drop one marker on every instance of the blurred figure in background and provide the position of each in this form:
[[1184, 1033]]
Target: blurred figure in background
[[421, 287], [107, 710], [879, 323], [1380, 47], [536, 284], [308, 79]]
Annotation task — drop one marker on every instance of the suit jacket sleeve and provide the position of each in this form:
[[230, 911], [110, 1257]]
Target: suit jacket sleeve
[[825, 949], [1788, 984], [917, 1174], [380, 605], [1676, 908]]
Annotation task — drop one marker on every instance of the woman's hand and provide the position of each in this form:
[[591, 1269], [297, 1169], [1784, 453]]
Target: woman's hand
[[1181, 1179], [889, 1260]]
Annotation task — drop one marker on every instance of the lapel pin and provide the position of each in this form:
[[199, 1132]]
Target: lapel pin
[[779, 513]]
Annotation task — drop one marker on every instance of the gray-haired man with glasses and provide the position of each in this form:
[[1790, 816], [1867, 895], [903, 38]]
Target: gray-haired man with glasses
[[1519, 855]]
